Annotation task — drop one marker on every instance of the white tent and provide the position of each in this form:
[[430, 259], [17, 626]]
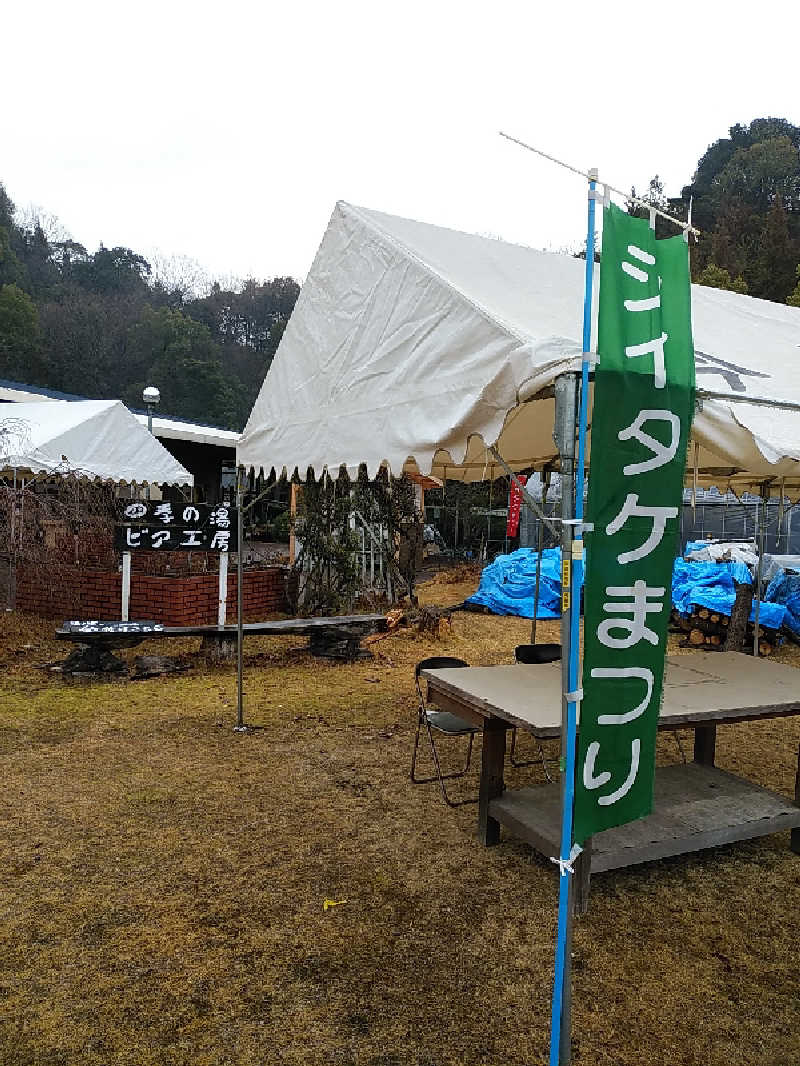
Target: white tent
[[419, 346], [97, 439]]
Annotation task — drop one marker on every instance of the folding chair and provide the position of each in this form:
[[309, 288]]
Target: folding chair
[[449, 725], [533, 654]]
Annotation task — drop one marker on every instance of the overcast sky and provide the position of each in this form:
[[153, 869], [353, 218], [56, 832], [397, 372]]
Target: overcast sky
[[227, 131]]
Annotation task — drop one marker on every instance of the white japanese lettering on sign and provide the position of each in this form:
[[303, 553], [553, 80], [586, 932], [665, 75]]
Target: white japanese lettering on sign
[[592, 780], [632, 509], [163, 512], [636, 601], [662, 453]]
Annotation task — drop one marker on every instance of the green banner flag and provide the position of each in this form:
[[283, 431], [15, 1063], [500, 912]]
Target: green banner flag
[[642, 412]]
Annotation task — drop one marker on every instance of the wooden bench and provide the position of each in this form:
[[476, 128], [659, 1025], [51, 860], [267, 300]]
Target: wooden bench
[[337, 637]]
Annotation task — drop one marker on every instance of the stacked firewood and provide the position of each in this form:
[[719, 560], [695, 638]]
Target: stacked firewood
[[709, 629]]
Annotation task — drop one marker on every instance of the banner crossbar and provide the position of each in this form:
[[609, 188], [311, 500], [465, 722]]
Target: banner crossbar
[[591, 175]]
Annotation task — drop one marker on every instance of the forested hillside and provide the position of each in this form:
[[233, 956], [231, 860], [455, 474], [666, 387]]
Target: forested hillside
[[103, 324]]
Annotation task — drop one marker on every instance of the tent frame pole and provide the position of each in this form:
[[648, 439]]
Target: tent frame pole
[[240, 727], [762, 524], [539, 546], [564, 434]]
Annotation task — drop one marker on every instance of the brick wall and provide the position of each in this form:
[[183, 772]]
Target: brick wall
[[175, 601]]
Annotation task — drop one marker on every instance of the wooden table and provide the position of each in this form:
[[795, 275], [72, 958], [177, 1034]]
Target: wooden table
[[697, 805]]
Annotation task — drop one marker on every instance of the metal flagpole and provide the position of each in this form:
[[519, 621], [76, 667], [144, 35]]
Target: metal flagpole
[[560, 1031], [240, 726]]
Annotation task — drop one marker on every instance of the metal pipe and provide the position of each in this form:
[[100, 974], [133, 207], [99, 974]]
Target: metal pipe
[[591, 175], [240, 726], [762, 522], [564, 434], [527, 497], [539, 545]]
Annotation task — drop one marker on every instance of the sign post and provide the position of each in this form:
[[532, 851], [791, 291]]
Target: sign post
[[222, 606], [126, 586]]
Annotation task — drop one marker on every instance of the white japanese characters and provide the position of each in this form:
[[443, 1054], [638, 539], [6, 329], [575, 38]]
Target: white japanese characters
[[165, 526]]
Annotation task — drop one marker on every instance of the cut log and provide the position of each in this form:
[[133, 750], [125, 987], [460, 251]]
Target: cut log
[[740, 614], [697, 637], [704, 612]]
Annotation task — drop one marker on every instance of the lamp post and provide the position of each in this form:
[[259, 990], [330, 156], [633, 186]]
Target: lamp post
[[151, 396]]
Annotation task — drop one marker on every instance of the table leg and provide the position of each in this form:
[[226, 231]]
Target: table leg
[[795, 839], [705, 742], [492, 758]]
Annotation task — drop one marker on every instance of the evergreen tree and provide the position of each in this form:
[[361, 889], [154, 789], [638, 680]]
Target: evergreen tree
[[794, 298], [776, 262], [19, 333], [716, 277], [746, 202]]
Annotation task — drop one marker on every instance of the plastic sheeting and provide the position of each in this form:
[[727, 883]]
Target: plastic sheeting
[[418, 346], [507, 587], [785, 589], [726, 551], [97, 439], [508, 584], [711, 585]]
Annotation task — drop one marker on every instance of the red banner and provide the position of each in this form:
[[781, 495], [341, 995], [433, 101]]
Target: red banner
[[514, 506]]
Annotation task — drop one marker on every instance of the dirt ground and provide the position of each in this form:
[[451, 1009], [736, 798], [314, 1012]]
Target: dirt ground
[[163, 880]]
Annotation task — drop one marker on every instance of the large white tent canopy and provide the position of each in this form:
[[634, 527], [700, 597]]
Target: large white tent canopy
[[96, 439], [418, 347]]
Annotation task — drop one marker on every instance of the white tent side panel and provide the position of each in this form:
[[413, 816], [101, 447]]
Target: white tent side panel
[[97, 439], [410, 341]]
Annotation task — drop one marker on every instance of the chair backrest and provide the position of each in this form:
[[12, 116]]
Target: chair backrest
[[531, 654], [435, 662], [438, 662]]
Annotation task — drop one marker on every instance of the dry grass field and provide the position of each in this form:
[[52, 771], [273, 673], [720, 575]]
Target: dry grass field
[[162, 882]]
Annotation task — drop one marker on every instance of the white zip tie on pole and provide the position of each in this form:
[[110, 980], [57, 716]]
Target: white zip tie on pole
[[591, 175], [578, 523], [575, 697], [565, 865]]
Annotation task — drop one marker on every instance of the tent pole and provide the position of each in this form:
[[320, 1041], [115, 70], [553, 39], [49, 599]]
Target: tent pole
[[564, 433], [539, 545], [762, 522], [240, 726], [526, 496]]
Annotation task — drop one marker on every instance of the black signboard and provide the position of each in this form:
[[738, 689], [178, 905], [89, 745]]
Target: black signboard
[[111, 627], [150, 525]]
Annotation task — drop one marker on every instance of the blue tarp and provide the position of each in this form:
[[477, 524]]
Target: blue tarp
[[508, 583], [785, 589], [711, 585], [507, 587]]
